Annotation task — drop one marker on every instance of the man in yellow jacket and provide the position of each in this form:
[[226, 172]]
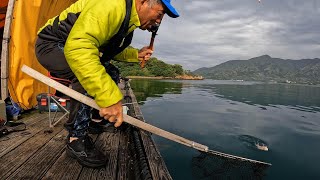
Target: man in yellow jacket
[[78, 44]]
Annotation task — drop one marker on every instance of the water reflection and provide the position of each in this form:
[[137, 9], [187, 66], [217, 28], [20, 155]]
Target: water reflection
[[298, 97], [154, 88]]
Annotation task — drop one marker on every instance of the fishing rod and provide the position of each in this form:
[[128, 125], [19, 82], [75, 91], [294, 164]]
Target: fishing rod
[[154, 29], [131, 120]]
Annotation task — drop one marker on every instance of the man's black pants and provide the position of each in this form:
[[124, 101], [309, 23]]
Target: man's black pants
[[50, 55]]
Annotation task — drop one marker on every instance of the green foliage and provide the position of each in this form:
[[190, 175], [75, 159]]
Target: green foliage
[[178, 69], [265, 68], [154, 67], [160, 68]]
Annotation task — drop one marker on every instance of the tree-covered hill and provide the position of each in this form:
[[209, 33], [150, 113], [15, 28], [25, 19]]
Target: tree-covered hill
[[153, 68], [266, 68]]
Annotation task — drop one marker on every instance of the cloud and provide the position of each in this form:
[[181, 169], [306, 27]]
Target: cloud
[[211, 32]]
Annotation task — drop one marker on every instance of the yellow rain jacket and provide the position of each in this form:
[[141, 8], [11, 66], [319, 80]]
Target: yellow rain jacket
[[84, 27]]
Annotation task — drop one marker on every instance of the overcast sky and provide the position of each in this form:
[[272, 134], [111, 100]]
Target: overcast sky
[[209, 32]]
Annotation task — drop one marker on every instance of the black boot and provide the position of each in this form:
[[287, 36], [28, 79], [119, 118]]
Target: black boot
[[100, 127], [95, 128], [85, 153]]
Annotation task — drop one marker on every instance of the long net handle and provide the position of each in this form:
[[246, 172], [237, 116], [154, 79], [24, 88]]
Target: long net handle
[[128, 119], [229, 156]]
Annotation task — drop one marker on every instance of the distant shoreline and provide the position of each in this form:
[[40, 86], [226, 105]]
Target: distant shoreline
[[184, 77]]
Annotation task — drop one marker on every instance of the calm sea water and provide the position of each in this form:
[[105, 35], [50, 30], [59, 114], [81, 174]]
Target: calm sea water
[[230, 116]]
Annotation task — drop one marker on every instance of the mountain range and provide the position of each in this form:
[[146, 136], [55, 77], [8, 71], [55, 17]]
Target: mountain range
[[265, 68]]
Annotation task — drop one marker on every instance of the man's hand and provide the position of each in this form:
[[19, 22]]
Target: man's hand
[[113, 113], [145, 53]]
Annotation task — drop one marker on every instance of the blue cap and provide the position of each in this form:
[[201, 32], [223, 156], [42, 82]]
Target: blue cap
[[170, 10]]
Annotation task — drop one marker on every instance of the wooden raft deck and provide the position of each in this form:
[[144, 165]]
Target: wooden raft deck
[[39, 152]]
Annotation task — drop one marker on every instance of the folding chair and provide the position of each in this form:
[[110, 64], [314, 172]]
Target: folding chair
[[60, 102]]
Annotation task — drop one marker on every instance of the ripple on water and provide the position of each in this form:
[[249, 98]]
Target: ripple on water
[[254, 143], [303, 109], [307, 127]]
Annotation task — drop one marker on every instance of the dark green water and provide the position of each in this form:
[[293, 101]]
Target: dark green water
[[220, 113]]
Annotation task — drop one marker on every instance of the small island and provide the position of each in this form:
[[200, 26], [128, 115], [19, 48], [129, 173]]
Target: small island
[[155, 69], [180, 77]]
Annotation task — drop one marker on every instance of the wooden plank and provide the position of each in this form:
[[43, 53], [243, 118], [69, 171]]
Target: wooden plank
[[136, 108], [5, 51], [157, 165], [15, 158], [65, 168], [124, 159], [108, 143], [34, 124], [14, 136], [38, 164], [93, 174]]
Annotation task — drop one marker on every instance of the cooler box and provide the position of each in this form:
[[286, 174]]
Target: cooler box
[[43, 102]]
